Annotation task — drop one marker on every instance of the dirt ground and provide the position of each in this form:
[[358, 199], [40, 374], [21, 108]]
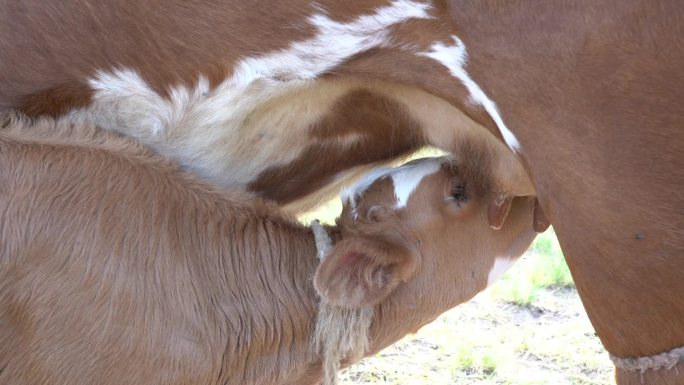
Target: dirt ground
[[489, 341]]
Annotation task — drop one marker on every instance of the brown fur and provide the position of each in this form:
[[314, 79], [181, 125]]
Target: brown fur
[[117, 268], [46, 76], [394, 134], [592, 91], [111, 257]]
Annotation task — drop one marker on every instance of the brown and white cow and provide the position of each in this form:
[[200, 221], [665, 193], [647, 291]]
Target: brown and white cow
[[284, 98], [118, 268]]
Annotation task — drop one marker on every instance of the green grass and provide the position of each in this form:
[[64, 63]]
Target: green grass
[[478, 361], [543, 267]]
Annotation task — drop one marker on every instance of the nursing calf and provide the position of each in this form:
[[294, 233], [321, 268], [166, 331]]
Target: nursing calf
[[117, 268]]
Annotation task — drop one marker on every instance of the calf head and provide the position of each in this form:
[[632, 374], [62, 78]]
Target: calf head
[[423, 231]]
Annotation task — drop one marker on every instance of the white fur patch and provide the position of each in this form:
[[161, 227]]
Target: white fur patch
[[501, 265], [454, 59], [405, 179], [352, 194], [335, 42], [256, 119]]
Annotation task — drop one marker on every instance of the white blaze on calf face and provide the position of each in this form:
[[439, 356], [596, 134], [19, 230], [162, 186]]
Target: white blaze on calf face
[[405, 179], [454, 59], [501, 265]]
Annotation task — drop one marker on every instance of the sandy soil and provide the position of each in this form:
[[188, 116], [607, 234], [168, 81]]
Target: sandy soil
[[488, 341]]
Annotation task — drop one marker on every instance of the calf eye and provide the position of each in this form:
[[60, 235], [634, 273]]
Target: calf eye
[[458, 192]]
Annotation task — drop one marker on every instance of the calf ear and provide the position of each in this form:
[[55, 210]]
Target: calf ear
[[361, 272]]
